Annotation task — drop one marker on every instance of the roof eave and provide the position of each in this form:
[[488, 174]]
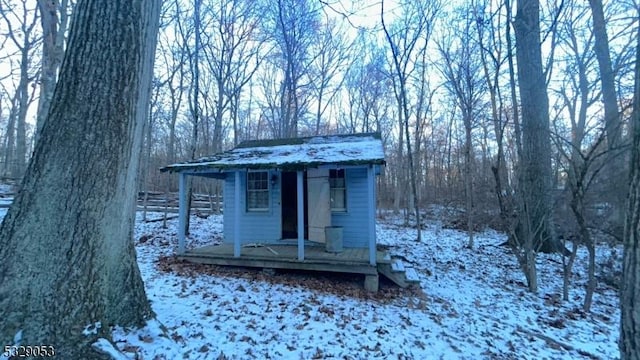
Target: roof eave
[[257, 166]]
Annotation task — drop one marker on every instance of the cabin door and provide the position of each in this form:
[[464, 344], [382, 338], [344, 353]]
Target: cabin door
[[289, 204], [319, 208]]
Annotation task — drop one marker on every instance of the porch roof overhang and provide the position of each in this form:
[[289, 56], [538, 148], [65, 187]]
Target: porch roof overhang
[[291, 154]]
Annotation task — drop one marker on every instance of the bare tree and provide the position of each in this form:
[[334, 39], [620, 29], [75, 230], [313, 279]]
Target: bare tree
[[78, 194], [10, 132], [54, 18], [461, 69], [174, 54], [330, 62], [194, 96], [370, 107], [512, 79], [612, 121], [232, 56], [609, 98], [293, 27], [493, 56], [534, 227], [366, 89], [25, 38], [583, 160], [630, 292], [194, 65], [270, 86], [409, 35]]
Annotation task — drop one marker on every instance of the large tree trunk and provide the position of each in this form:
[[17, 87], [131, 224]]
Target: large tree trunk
[[468, 176], [512, 81], [609, 98], [630, 294], [535, 158], [616, 167], [67, 257], [400, 178], [194, 102]]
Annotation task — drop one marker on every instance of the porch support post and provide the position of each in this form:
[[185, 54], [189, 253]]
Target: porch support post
[[371, 182], [182, 211], [300, 215], [236, 218]]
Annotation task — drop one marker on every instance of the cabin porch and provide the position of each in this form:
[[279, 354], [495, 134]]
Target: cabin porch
[[277, 256]]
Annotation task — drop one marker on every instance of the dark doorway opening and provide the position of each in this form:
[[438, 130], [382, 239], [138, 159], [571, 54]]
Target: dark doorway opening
[[289, 205]]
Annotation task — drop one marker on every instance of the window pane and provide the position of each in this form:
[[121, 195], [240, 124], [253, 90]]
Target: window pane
[[262, 200], [257, 190], [338, 190], [257, 180], [252, 199], [337, 199]]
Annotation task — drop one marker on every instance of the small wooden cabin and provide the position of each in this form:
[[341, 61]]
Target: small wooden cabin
[[282, 194]]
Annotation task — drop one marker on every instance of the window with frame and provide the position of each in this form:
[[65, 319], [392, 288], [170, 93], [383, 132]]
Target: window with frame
[[337, 185], [258, 191]]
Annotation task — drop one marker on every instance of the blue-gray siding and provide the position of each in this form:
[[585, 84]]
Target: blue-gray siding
[[259, 226], [355, 221], [266, 227]]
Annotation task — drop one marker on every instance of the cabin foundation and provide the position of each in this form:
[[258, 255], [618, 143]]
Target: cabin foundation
[[371, 282]]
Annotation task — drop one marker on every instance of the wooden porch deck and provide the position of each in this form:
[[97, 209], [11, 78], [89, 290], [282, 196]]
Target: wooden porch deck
[[276, 256]]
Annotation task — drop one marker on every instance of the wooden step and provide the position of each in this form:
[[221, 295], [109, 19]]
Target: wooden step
[[411, 276], [398, 273], [383, 257], [396, 277], [397, 265]]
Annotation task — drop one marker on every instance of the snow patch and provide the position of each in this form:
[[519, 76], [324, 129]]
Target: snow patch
[[105, 347], [92, 329]]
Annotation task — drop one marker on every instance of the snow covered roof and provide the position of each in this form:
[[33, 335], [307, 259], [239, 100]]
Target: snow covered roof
[[295, 153]]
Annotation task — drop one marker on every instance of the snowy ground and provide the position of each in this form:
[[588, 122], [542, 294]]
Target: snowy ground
[[6, 189], [6, 197], [472, 304]]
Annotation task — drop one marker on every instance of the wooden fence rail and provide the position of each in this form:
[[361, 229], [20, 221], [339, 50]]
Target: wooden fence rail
[[161, 202], [155, 202]]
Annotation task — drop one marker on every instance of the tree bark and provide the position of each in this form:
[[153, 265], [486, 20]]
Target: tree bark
[[194, 100], [67, 260], [512, 81], [630, 292], [535, 158], [23, 106], [10, 140], [616, 168], [609, 98], [468, 180]]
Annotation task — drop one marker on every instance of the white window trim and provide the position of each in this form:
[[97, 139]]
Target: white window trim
[[268, 190]]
